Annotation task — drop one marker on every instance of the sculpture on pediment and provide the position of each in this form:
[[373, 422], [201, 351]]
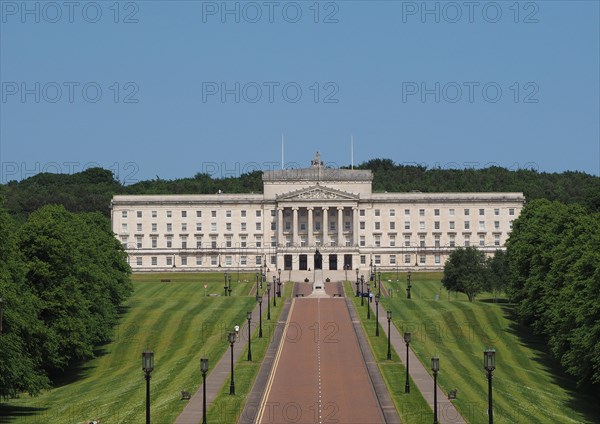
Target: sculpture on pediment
[[316, 162], [317, 194]]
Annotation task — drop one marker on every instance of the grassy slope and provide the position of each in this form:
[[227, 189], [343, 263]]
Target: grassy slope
[[528, 386], [173, 319], [412, 407], [226, 409]]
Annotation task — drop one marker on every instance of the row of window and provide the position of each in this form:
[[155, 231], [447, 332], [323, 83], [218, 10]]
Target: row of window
[[139, 227], [228, 260], [212, 260], [436, 243], [333, 241], [184, 214], [437, 212], [317, 226], [436, 225], [347, 212]]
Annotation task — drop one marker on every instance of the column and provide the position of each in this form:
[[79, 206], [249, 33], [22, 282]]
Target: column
[[355, 226], [295, 241], [280, 240], [325, 226], [340, 229], [309, 239]]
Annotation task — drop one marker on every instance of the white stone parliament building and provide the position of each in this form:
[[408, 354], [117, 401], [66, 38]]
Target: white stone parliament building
[[304, 210]]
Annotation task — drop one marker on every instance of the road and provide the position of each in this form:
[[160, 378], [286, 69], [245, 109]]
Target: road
[[319, 375]]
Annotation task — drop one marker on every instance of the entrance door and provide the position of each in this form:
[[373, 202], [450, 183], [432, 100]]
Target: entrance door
[[303, 262], [287, 262], [348, 262], [333, 262], [318, 260]]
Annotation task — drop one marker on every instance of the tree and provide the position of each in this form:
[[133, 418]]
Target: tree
[[79, 273], [20, 365], [554, 260], [497, 277], [464, 271]]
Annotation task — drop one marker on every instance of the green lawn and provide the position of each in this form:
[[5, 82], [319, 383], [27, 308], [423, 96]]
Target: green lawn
[[412, 407], [226, 409], [174, 319], [528, 386]]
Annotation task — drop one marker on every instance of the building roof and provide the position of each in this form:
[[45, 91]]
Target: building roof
[[316, 172]]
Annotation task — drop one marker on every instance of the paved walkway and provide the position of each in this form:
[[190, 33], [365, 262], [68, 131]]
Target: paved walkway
[[319, 374], [447, 413], [221, 372]]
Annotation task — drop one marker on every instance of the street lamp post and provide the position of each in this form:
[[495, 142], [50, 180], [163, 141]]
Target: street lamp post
[[377, 296], [362, 290], [371, 269], [279, 283], [269, 301], [379, 288], [204, 369], [357, 282], [147, 367], [407, 384], [435, 367], [229, 288], [249, 318], [259, 300], [257, 283], [389, 318], [231, 337], [408, 286], [274, 292], [375, 275], [225, 286], [368, 301], [489, 363]]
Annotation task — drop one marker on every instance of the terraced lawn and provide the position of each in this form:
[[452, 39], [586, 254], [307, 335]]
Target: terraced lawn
[[528, 385], [174, 319], [226, 408], [412, 407]]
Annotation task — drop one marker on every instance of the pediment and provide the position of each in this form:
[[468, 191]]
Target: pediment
[[318, 192]]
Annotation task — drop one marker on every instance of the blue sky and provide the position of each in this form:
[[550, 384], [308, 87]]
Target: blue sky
[[172, 88]]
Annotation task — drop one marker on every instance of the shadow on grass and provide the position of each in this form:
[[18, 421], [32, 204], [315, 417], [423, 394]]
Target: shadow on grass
[[12, 413], [495, 300], [76, 371], [585, 403]]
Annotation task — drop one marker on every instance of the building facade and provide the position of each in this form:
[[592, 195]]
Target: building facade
[[301, 211]]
